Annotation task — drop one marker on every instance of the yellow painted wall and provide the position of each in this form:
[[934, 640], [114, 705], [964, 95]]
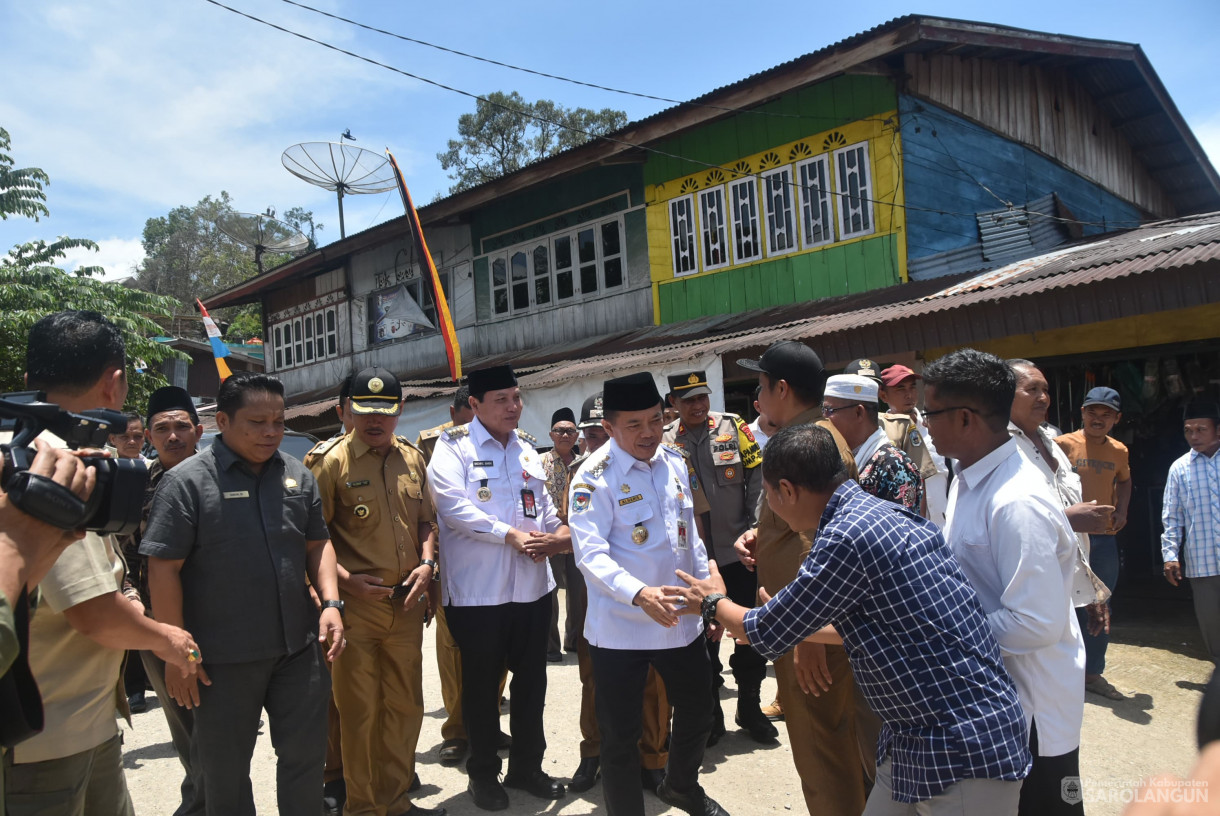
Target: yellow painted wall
[[885, 157], [1178, 326]]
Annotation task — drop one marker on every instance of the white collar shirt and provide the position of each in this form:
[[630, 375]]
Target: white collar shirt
[[613, 493], [936, 487], [478, 567], [1008, 531]]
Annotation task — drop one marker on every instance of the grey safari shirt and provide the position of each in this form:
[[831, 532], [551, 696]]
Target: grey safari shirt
[[242, 539]]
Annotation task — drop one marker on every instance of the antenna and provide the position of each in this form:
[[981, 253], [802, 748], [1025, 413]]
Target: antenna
[[344, 168], [262, 232]]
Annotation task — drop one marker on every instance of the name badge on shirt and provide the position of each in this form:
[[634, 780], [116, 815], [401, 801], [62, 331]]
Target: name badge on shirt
[[482, 463], [682, 541], [528, 506], [237, 494]]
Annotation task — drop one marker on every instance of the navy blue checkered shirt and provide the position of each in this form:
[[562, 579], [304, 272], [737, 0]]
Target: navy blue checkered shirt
[[920, 647]]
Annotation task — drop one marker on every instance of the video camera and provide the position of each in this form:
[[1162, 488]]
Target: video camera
[[116, 504]]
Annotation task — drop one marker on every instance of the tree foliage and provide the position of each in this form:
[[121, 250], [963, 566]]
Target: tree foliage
[[187, 256], [32, 286], [505, 133]]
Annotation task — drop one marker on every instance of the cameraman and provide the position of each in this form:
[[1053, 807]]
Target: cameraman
[[82, 622]]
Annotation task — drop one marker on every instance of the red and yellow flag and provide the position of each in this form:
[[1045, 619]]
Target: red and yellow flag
[[452, 350]]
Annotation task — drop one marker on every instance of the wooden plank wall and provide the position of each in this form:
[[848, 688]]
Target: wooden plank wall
[[1044, 109]]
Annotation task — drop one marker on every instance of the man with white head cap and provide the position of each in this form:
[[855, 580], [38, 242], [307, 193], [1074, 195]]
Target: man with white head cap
[[850, 403]]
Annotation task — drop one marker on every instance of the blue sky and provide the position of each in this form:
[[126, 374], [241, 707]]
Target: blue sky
[[134, 107]]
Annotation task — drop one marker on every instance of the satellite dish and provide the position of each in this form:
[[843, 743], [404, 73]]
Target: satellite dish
[[344, 168], [262, 232]]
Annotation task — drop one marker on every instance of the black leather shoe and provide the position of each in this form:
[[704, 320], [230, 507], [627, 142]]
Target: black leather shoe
[[334, 796], [137, 703], [415, 785], [505, 743], [536, 783], [453, 751], [417, 810], [586, 775], [695, 801], [650, 778], [487, 793], [756, 725]]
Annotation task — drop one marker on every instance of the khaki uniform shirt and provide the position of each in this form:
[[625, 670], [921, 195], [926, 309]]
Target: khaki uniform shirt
[[373, 506], [426, 441], [901, 431], [779, 550], [727, 462]]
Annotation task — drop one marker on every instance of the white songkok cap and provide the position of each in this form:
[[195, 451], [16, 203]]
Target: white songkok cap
[[852, 387]]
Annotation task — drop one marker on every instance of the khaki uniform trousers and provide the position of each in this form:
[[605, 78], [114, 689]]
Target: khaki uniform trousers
[[378, 689], [653, 753], [835, 782]]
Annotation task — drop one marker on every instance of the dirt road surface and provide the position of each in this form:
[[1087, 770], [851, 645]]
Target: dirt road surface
[[1157, 661]]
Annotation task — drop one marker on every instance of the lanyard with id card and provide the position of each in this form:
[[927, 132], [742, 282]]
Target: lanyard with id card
[[682, 539], [528, 505]]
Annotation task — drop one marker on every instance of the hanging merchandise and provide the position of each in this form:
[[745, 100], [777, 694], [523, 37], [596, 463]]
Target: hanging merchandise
[[1175, 387], [1152, 380]]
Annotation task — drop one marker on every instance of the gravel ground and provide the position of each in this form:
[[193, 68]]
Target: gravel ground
[[1158, 662]]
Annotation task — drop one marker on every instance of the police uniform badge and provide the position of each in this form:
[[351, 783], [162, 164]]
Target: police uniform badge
[[916, 439], [361, 511]]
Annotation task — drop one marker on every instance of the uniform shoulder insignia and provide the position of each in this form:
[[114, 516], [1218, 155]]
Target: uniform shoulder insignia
[[457, 432], [577, 462], [731, 415], [431, 432], [407, 442], [528, 437], [324, 447], [678, 449], [599, 467]]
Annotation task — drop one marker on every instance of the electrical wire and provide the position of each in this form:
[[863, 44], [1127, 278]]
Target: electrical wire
[[596, 136], [560, 78]]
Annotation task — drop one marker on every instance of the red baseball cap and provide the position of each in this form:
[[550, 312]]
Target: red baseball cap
[[896, 374]]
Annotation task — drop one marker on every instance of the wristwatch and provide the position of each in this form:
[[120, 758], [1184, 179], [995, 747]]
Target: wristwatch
[[708, 608], [436, 569], [333, 605]]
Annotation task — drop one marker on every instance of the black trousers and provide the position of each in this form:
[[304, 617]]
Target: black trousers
[[295, 691], [1042, 793], [749, 667], [492, 638], [619, 675]]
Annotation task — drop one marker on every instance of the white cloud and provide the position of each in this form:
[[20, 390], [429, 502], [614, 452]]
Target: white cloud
[[119, 257]]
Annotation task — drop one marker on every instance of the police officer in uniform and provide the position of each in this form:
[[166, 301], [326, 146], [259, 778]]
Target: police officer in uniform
[[496, 523], [633, 524], [377, 507], [727, 462]]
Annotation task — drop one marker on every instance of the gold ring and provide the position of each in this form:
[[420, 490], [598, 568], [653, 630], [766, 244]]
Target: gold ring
[[192, 656]]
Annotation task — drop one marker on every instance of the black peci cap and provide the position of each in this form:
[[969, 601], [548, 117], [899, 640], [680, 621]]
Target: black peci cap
[[591, 412], [170, 398], [789, 360], [635, 392], [494, 378], [563, 415], [689, 384], [1201, 409], [376, 391]]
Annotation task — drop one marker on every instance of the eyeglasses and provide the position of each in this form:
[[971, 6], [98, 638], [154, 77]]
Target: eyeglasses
[[827, 411], [928, 414], [565, 431]]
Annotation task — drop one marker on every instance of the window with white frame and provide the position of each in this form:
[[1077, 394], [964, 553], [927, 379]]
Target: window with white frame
[[558, 268], [781, 221], [307, 338], [747, 244], [855, 191], [712, 228], [817, 226], [404, 310], [682, 235]]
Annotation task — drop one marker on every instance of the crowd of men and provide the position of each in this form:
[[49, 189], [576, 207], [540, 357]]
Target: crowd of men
[[931, 586]]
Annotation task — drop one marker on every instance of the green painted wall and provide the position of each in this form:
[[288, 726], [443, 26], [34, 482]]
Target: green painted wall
[[811, 109], [557, 196], [835, 270]]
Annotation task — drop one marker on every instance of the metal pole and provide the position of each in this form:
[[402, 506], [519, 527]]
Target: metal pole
[[342, 231]]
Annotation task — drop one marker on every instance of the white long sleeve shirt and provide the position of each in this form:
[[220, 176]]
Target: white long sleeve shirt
[[612, 494], [1008, 531], [479, 568]]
